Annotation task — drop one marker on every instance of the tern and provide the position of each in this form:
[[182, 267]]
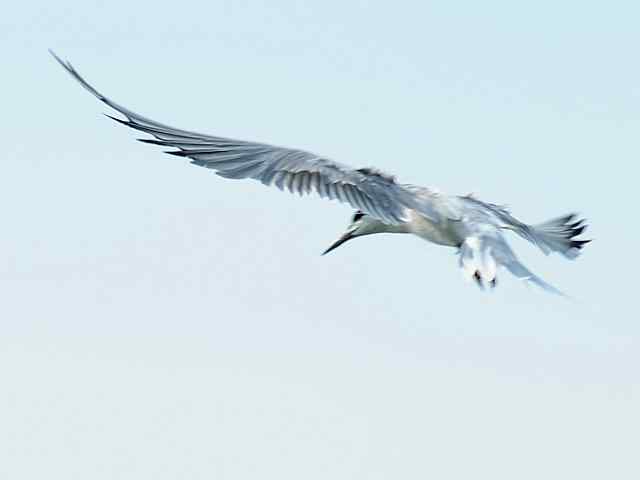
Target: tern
[[383, 205]]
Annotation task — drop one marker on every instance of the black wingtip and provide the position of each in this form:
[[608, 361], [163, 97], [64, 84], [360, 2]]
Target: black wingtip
[[577, 224], [119, 120], [53, 54], [576, 231], [64, 63], [177, 153], [579, 244], [152, 141]]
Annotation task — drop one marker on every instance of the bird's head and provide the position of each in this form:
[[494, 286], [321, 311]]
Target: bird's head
[[361, 224]]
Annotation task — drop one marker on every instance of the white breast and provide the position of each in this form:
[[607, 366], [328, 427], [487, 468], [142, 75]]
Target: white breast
[[443, 233]]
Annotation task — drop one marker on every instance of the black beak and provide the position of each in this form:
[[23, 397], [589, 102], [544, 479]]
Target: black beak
[[347, 236]]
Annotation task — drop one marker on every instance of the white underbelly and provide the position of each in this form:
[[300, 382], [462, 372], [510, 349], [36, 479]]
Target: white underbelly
[[443, 233]]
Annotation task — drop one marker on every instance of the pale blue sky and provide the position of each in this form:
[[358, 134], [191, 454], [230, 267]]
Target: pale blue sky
[[159, 322]]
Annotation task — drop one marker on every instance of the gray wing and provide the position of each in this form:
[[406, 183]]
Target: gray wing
[[366, 189], [555, 235], [498, 215]]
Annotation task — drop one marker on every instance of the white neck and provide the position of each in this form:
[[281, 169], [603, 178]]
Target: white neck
[[370, 225]]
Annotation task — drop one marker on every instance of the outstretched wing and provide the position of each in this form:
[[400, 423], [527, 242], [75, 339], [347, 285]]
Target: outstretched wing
[[556, 235], [365, 189]]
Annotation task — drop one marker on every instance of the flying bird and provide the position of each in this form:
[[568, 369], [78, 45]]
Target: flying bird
[[383, 205]]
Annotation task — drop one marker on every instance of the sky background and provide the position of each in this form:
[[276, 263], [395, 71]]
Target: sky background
[[159, 322]]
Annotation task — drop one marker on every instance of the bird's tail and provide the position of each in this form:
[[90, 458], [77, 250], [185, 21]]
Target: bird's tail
[[482, 256], [558, 235]]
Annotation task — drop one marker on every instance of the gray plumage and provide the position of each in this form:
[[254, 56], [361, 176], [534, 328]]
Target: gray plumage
[[383, 204]]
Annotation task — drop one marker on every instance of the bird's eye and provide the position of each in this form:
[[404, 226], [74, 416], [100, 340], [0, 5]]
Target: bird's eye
[[357, 216]]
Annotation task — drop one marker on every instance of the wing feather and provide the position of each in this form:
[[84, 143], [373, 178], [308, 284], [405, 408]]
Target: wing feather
[[298, 171]]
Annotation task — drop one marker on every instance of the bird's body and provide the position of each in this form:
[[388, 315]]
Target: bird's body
[[444, 233], [383, 205]]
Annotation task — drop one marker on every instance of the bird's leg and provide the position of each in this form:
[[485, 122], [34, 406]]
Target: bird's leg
[[478, 278]]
